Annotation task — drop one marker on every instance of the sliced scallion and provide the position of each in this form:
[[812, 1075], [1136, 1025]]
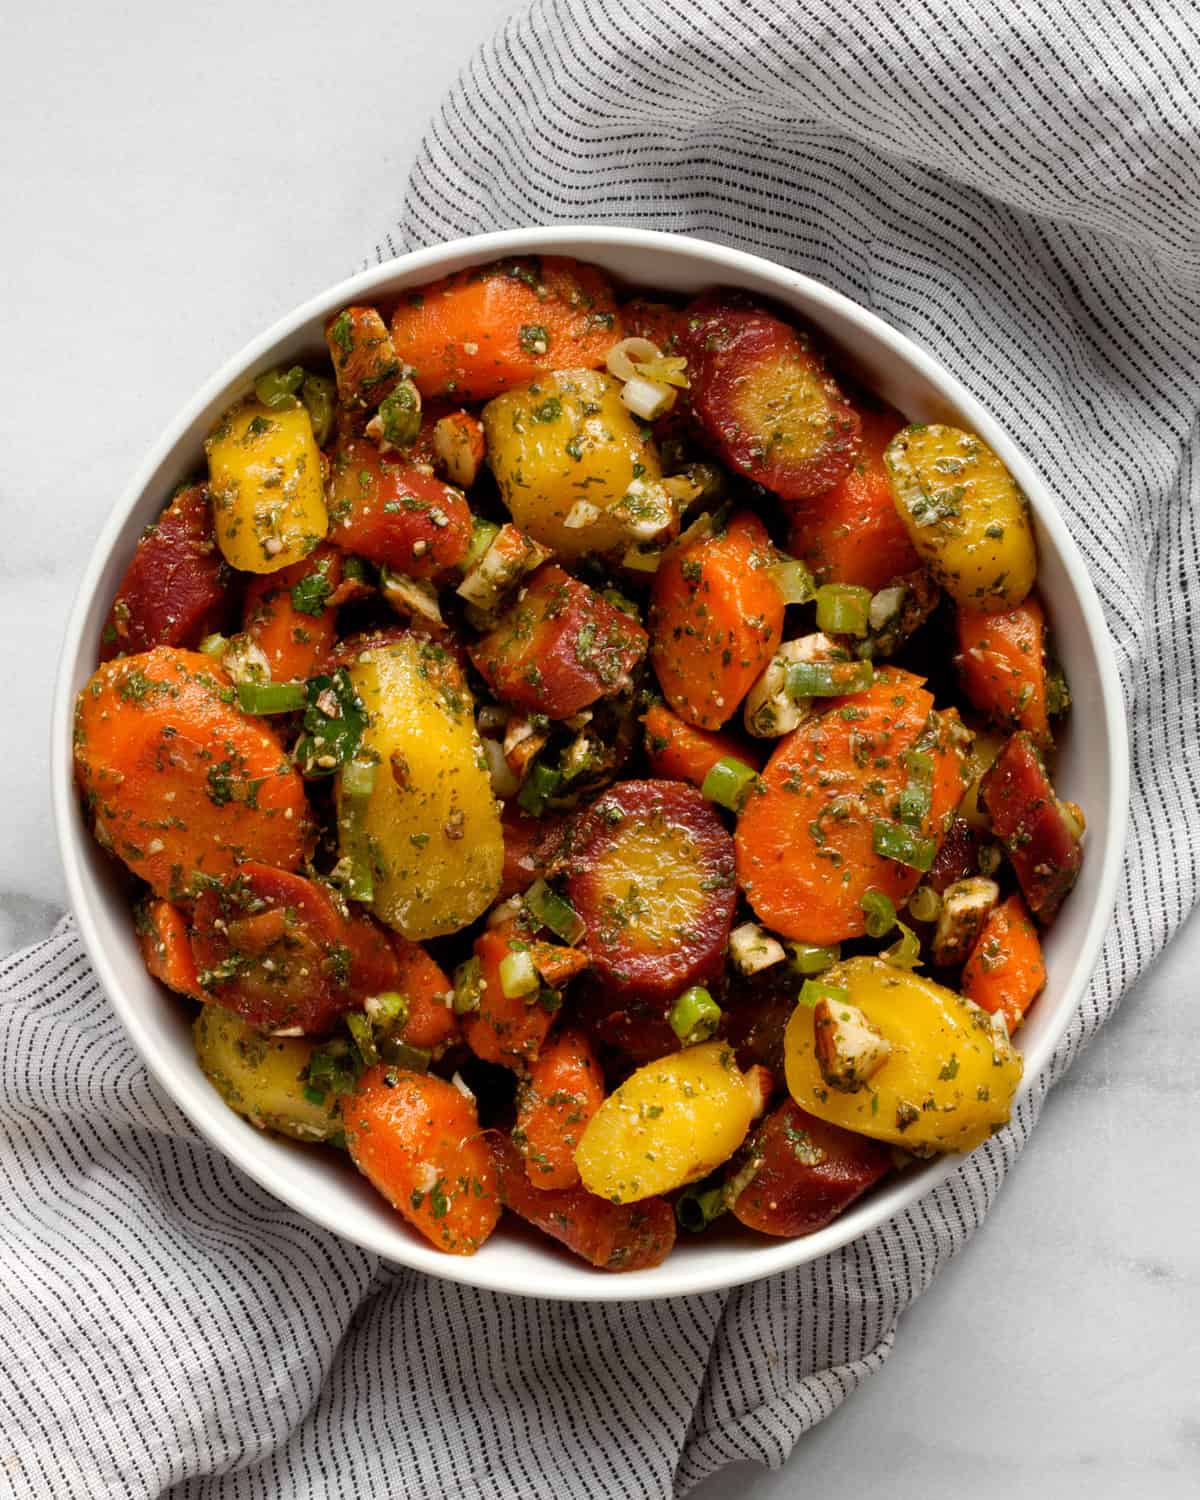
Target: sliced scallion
[[541, 784], [468, 985], [697, 1206], [894, 841], [810, 958], [728, 782], [905, 952], [554, 912], [694, 1016], [792, 579], [518, 974], [828, 679], [843, 609], [879, 914], [271, 697]]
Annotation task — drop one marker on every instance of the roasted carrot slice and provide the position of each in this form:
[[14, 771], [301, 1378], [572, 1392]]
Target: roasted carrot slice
[[799, 1173], [1006, 970], [396, 512], [431, 1023], [851, 533], [1002, 663], [1040, 832], [177, 588], [650, 871], [560, 647], [564, 1090], [507, 1029], [484, 330], [416, 1138], [166, 944], [716, 617], [611, 1236], [288, 615], [364, 359], [682, 752], [275, 948], [180, 784], [806, 846], [765, 398]]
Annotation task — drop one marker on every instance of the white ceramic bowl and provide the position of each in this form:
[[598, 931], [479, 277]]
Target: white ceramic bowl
[[1092, 769]]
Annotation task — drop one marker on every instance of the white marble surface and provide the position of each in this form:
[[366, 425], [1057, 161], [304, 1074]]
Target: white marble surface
[[174, 178]]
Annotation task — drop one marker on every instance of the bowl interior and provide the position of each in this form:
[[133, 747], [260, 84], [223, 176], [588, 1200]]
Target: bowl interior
[[1092, 769]]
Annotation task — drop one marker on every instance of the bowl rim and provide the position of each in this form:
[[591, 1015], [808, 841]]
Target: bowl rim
[[217, 1125]]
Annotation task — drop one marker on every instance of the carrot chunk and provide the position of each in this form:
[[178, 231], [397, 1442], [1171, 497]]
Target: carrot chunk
[[416, 1138], [274, 948], [560, 647], [431, 1023], [166, 944], [288, 617], [177, 588], [1040, 833], [395, 512], [484, 330], [364, 360], [611, 1236], [1006, 970], [563, 1092], [851, 532], [806, 846], [507, 1029], [765, 398], [682, 752], [799, 1173], [180, 784], [716, 617], [1002, 663]]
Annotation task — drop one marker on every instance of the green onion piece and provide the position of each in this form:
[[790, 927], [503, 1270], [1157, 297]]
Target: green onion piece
[[905, 952], [541, 783], [697, 1207], [468, 986], [278, 388], [358, 879], [828, 679], [894, 841], [879, 913], [483, 534], [843, 609], [358, 778], [694, 1016], [914, 803], [271, 697], [808, 958], [554, 912], [728, 782], [621, 601], [402, 1055], [793, 580], [518, 976], [313, 1094], [925, 903], [400, 415], [214, 645], [388, 1010], [364, 1038], [812, 991], [318, 395]]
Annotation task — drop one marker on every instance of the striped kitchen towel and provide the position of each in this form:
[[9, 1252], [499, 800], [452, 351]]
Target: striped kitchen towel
[[1016, 187]]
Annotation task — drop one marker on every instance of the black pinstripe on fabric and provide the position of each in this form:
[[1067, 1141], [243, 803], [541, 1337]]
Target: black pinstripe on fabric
[[1015, 185]]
